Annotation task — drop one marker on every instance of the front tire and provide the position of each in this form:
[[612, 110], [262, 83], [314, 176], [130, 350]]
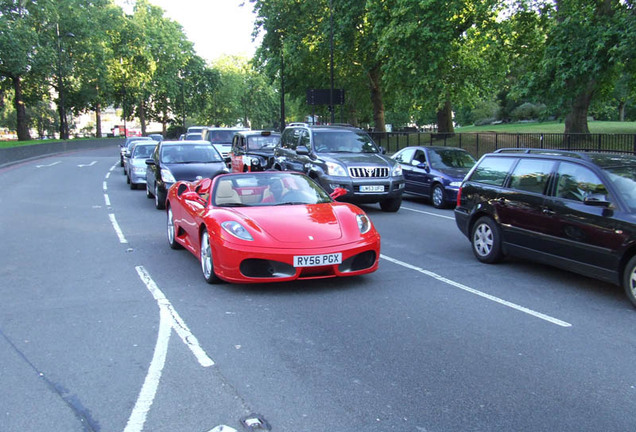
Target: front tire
[[207, 263], [437, 197], [629, 280], [391, 205], [486, 240], [171, 231]]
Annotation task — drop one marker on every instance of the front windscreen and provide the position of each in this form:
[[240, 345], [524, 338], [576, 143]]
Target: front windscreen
[[344, 141], [262, 142], [624, 180], [203, 153], [221, 136], [268, 189]]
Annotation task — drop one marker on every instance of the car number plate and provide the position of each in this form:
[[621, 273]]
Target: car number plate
[[317, 260], [372, 188]]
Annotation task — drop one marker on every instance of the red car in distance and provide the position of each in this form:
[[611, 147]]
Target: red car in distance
[[269, 226]]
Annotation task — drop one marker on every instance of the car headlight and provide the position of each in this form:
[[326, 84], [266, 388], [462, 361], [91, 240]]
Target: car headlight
[[397, 170], [334, 169], [237, 230], [167, 176], [254, 161], [364, 224], [455, 184]]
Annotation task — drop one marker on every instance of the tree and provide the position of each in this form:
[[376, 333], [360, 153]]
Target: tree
[[586, 49], [440, 53], [22, 57]]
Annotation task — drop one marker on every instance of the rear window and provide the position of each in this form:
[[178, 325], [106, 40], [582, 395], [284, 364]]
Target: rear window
[[492, 170]]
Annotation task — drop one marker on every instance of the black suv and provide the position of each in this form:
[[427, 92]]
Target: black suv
[[572, 210], [342, 157]]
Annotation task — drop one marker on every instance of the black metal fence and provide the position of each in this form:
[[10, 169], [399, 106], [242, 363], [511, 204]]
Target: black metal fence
[[480, 143]]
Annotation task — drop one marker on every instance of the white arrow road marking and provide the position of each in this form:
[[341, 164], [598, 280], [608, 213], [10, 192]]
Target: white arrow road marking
[[87, 165], [168, 319], [49, 165]]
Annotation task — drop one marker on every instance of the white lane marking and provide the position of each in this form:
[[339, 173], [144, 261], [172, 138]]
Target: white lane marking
[[479, 293], [148, 391], [428, 213], [107, 175], [177, 323], [118, 230], [105, 186], [107, 200], [49, 165], [87, 165]]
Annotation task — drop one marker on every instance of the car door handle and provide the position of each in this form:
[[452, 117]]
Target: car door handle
[[547, 211]]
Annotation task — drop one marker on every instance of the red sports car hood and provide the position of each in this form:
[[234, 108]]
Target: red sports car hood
[[296, 223]]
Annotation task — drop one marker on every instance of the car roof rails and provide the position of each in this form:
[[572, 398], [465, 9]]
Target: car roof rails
[[547, 152], [298, 124]]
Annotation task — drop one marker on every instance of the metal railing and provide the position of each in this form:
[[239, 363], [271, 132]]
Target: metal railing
[[480, 143]]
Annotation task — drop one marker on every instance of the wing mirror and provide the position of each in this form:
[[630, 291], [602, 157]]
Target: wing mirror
[[338, 192], [193, 196]]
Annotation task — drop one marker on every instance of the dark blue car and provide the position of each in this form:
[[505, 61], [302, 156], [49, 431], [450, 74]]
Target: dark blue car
[[434, 172]]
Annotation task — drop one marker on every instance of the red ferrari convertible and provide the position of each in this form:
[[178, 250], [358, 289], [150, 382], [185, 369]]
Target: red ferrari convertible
[[269, 227]]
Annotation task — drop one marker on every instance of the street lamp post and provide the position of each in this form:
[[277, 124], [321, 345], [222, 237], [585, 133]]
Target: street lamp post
[[331, 106], [64, 132]]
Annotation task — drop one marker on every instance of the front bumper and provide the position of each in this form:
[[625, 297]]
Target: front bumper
[[259, 264], [391, 188]]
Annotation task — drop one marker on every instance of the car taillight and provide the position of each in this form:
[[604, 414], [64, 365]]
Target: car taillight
[[459, 196]]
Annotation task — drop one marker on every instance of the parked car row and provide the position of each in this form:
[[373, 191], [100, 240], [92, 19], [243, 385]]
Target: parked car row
[[572, 210]]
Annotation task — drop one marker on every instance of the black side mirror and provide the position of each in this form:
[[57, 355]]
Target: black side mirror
[[150, 162], [302, 150]]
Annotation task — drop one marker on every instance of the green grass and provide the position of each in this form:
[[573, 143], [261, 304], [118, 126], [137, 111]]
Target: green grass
[[599, 127]]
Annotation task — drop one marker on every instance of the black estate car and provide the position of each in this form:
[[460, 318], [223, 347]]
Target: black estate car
[[180, 160], [572, 210], [342, 157]]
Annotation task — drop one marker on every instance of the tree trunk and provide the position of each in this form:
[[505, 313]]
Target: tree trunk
[[576, 120], [22, 124], [445, 119], [375, 76], [142, 117], [621, 111], [98, 120]]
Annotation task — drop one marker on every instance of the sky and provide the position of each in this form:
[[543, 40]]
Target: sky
[[216, 27]]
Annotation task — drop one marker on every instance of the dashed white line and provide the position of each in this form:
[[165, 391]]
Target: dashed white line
[[118, 230], [479, 293], [428, 213], [107, 200]]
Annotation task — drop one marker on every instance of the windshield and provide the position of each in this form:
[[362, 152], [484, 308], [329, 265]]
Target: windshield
[[343, 141], [268, 189], [203, 153], [143, 151], [221, 136], [624, 180], [262, 142], [450, 158]]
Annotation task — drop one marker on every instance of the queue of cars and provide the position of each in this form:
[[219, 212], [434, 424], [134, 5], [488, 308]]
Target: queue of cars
[[573, 210]]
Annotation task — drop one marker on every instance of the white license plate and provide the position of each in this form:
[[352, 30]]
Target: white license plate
[[371, 188], [317, 260]]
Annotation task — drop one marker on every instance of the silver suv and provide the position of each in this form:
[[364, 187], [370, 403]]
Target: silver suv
[[342, 157]]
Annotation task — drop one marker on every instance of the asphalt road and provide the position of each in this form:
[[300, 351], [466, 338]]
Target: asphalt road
[[104, 328]]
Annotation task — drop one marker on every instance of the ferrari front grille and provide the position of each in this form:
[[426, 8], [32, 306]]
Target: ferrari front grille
[[368, 172]]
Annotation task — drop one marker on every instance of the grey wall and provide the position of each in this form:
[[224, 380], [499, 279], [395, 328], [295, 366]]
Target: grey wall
[[12, 155]]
